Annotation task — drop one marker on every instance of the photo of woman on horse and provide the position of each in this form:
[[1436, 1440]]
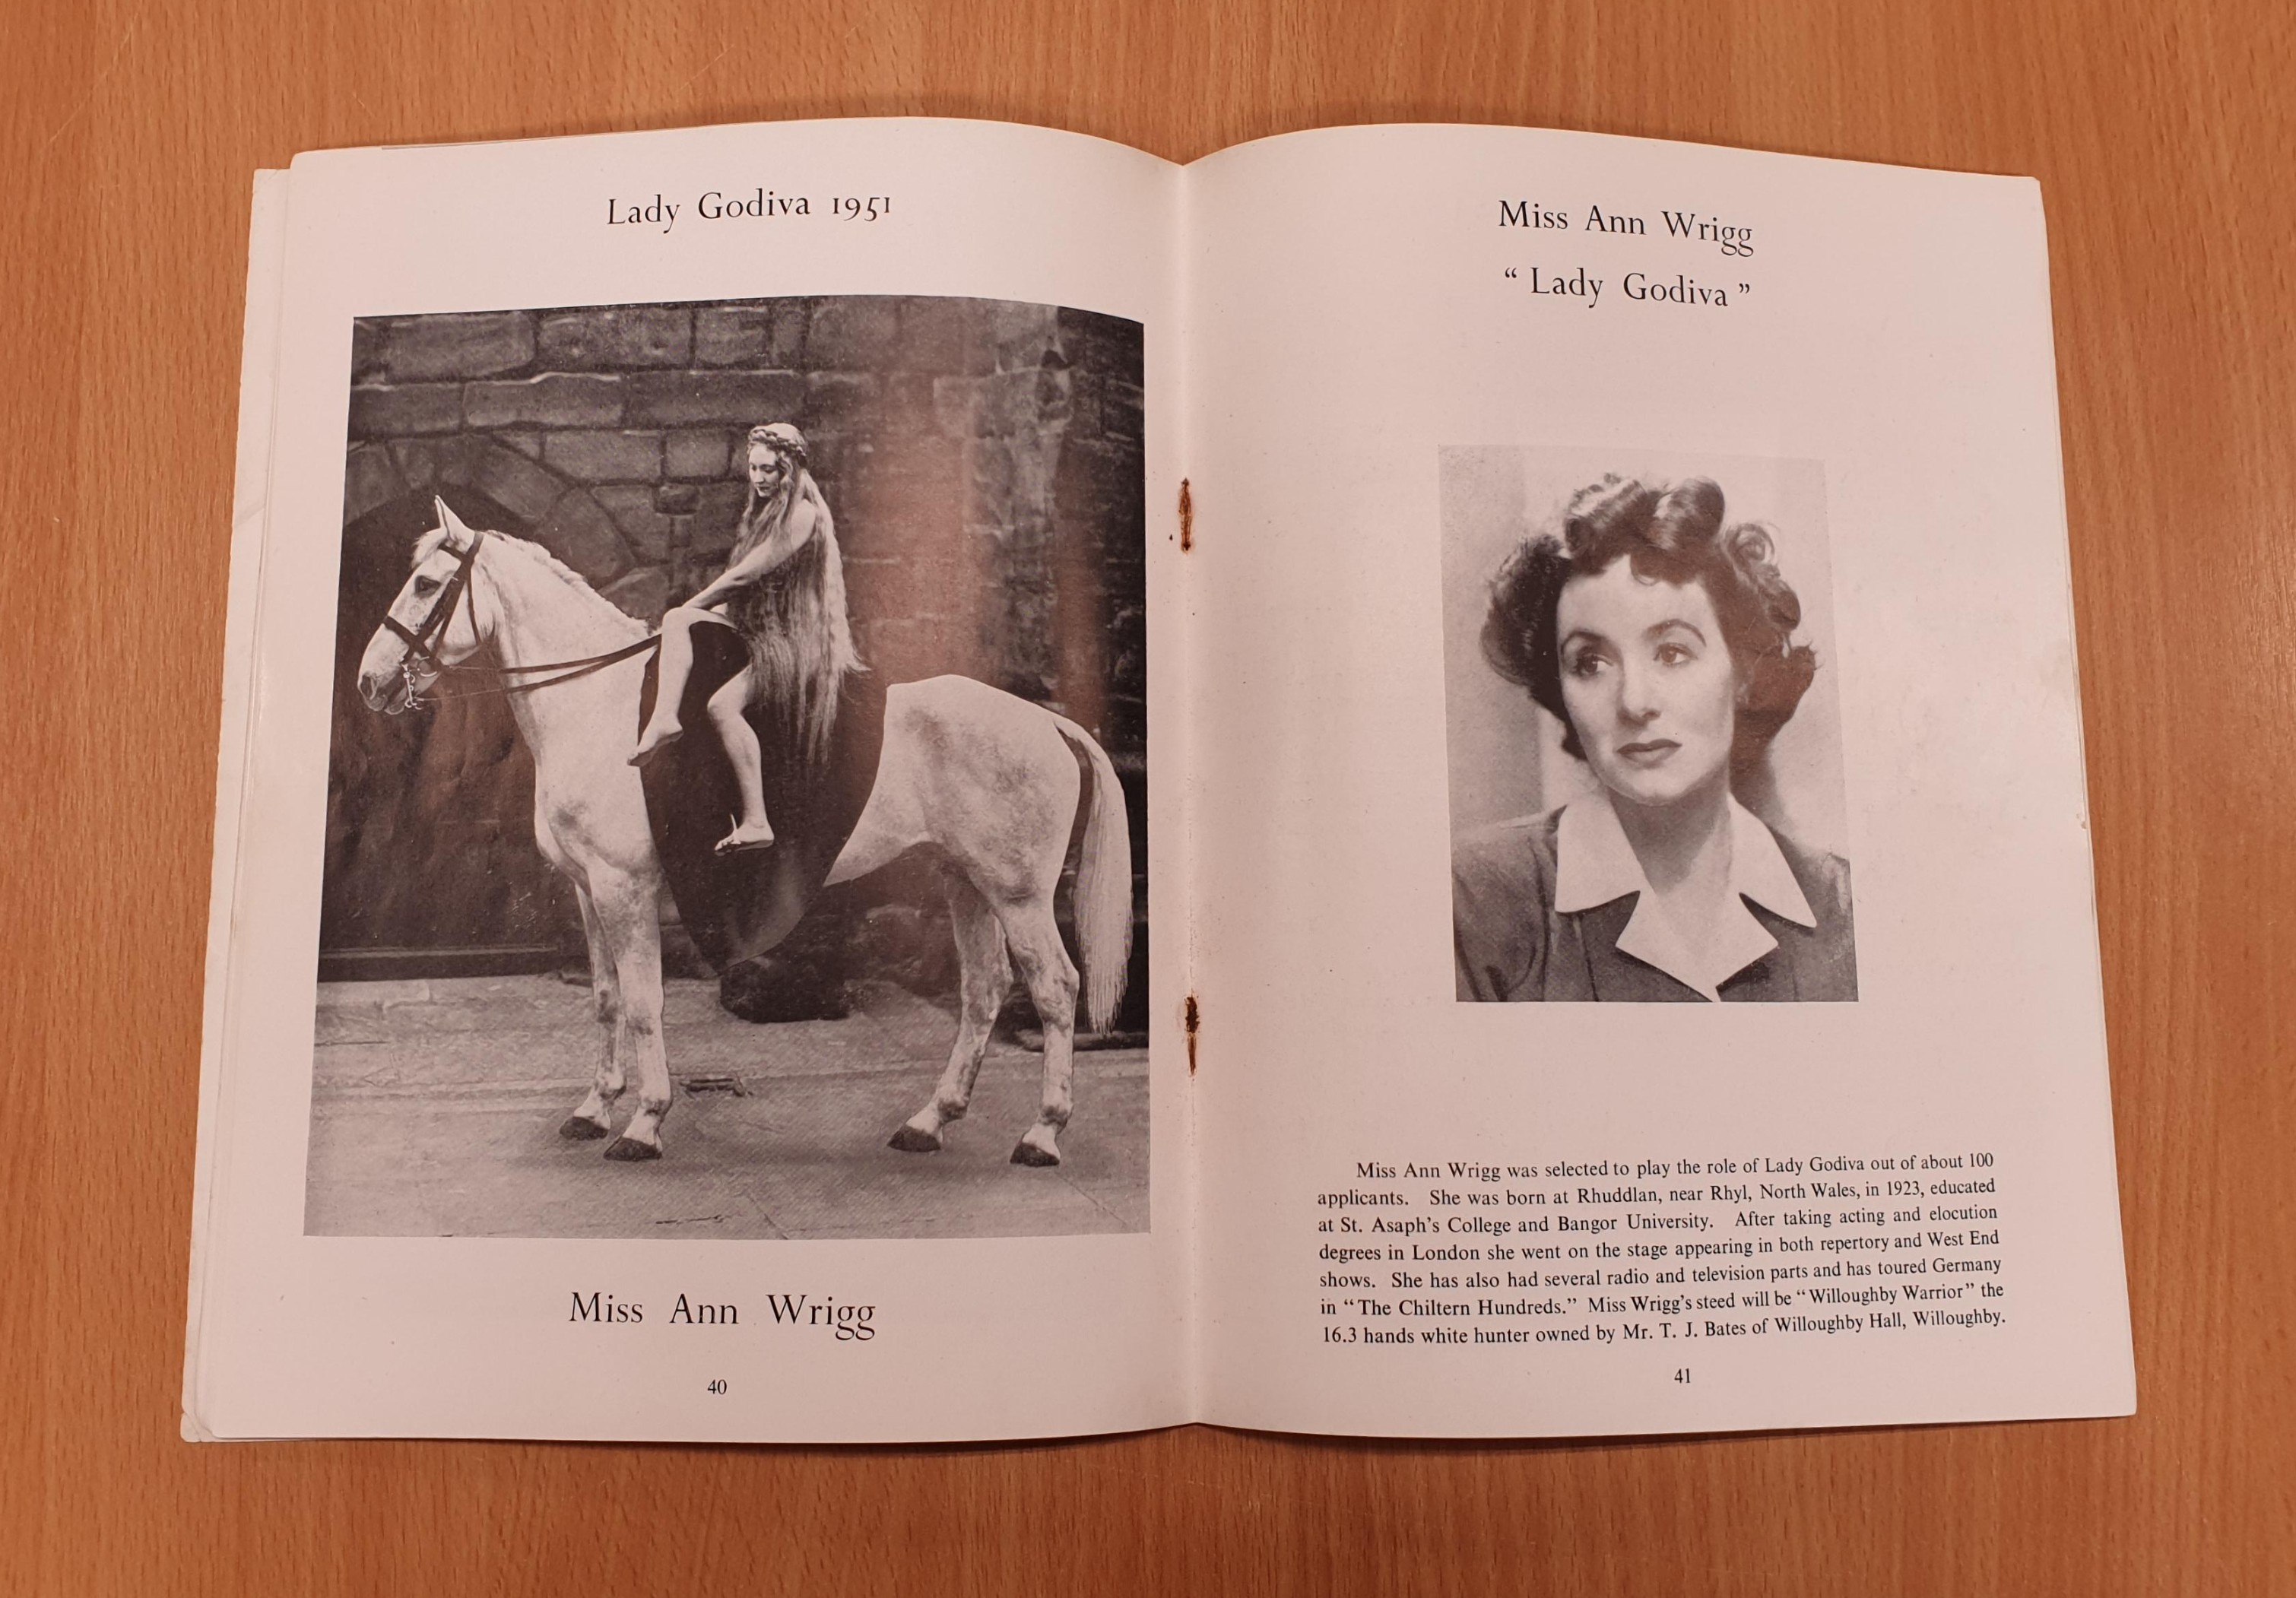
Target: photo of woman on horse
[[974, 712]]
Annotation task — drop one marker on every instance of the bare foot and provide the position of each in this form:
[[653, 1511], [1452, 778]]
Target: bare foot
[[657, 732], [745, 837]]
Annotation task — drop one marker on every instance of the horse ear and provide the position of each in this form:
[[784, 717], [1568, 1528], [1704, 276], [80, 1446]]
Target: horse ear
[[450, 521]]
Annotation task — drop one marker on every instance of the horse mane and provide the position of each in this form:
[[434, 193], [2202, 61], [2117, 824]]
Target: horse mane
[[427, 545]]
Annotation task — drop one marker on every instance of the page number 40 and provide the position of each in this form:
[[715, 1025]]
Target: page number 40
[[1682, 1375]]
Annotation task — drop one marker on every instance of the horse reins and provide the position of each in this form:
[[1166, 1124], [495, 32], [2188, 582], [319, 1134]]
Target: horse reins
[[422, 655]]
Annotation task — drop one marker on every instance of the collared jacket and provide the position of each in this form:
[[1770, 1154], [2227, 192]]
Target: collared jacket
[[1545, 908]]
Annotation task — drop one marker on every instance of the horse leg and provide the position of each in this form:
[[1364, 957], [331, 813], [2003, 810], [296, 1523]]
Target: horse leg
[[985, 977], [632, 939], [1035, 939], [593, 1118]]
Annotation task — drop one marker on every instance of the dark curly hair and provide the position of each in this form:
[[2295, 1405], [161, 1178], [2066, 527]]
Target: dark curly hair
[[1673, 534]]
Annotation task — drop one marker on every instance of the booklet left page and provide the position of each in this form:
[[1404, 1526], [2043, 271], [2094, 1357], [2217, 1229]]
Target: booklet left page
[[689, 823]]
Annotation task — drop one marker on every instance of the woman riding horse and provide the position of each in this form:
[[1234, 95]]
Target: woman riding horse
[[783, 591]]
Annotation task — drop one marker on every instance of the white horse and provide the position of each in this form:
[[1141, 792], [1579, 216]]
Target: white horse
[[988, 779]]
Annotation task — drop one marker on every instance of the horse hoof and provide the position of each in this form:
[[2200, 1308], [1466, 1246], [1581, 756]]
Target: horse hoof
[[1025, 1152], [910, 1141], [629, 1148], [580, 1128]]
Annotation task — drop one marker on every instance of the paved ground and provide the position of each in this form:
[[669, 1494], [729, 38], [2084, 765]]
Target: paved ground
[[436, 1107]]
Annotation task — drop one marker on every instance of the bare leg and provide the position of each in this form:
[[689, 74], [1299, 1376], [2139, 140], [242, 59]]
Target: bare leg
[[985, 975], [725, 714], [675, 666]]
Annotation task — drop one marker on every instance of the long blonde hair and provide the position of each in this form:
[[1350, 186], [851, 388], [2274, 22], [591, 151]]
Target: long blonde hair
[[794, 619]]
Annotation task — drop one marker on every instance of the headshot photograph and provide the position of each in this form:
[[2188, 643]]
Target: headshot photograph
[[1644, 729]]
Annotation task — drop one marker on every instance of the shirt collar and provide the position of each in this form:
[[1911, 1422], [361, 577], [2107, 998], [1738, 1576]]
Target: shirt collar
[[1595, 865]]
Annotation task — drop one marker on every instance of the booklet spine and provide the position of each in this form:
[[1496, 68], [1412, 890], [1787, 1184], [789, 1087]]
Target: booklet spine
[[250, 504]]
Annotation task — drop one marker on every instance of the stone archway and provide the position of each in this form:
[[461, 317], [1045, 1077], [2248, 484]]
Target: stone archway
[[525, 495]]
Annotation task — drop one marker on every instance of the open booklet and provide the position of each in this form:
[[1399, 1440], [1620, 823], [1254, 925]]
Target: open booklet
[[926, 780]]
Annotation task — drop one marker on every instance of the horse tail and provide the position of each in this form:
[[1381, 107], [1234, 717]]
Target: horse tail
[[1103, 885]]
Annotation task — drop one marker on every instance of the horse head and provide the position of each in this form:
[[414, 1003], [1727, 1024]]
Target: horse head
[[432, 625]]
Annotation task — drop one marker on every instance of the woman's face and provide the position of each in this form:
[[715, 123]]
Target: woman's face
[[1649, 683], [766, 470]]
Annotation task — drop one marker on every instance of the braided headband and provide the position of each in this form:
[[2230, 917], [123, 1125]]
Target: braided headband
[[781, 438]]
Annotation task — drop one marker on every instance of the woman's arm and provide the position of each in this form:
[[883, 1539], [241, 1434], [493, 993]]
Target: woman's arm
[[785, 542]]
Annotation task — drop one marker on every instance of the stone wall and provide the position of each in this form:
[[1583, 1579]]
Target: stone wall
[[982, 460]]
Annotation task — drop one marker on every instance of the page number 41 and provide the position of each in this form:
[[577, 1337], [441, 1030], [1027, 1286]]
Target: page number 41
[[1682, 1375]]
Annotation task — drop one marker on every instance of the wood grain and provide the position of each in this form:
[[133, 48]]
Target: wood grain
[[2163, 135]]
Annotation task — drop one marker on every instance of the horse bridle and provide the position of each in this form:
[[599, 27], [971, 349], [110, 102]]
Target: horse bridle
[[422, 656], [421, 642]]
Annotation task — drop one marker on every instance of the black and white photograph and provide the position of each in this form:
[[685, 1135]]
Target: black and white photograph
[[737, 803], [1643, 725]]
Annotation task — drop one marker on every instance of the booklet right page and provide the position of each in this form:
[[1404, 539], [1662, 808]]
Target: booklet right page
[[1645, 942]]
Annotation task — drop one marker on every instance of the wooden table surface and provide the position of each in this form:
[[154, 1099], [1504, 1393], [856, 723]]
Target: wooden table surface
[[2165, 136]]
